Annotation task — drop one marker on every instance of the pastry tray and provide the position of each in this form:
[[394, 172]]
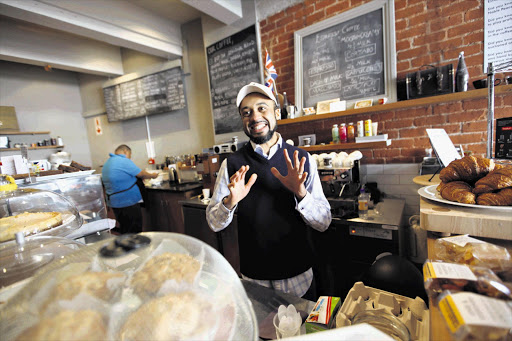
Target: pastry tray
[[413, 313]]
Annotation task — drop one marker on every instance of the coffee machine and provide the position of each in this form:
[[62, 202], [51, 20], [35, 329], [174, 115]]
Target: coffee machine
[[341, 188]]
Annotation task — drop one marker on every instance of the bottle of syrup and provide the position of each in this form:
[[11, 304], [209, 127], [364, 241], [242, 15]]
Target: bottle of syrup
[[284, 109], [461, 75]]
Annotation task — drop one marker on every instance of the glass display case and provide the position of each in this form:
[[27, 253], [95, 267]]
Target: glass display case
[[85, 191]]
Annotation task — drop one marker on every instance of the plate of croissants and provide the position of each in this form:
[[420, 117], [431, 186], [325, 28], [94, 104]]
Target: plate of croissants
[[475, 182]]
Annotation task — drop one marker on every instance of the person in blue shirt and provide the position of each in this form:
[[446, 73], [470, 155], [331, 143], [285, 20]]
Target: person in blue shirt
[[119, 176]]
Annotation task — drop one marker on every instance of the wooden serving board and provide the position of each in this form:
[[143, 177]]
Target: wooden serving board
[[480, 222]]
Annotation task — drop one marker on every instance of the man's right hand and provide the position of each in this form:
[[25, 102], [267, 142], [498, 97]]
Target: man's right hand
[[238, 189]]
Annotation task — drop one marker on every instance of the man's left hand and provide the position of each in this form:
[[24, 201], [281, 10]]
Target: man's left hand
[[296, 176]]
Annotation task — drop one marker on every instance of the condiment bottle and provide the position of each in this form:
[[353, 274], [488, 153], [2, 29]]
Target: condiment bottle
[[343, 133], [368, 127], [363, 200], [360, 128], [284, 109], [335, 134], [351, 132], [461, 75]]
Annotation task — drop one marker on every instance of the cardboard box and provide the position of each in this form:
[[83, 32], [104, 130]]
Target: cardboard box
[[322, 315]]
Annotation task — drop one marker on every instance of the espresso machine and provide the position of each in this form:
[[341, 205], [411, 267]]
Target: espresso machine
[[341, 188]]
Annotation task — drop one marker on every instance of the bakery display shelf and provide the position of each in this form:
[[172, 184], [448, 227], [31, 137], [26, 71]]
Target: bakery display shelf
[[418, 102], [24, 132], [31, 148], [347, 146]]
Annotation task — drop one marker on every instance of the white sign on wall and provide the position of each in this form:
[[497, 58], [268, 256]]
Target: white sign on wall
[[498, 33]]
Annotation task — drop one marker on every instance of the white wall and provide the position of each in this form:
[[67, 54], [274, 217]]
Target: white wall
[[395, 180], [46, 101]]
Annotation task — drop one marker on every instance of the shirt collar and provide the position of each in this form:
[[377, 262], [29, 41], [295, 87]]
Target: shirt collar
[[121, 155], [259, 150]]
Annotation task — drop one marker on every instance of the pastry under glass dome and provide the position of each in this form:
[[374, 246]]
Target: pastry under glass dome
[[31, 200]]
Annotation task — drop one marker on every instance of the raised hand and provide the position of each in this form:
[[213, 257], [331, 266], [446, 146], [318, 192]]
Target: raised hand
[[296, 176], [238, 189]]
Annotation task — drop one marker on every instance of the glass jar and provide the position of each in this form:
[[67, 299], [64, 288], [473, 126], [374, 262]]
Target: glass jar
[[335, 134], [343, 133], [385, 322], [351, 132]]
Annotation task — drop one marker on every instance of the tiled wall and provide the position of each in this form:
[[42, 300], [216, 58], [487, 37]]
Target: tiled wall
[[396, 181]]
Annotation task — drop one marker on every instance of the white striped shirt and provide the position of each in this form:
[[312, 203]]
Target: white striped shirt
[[314, 209]]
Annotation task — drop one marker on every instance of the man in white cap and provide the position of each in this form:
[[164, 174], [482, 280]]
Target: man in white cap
[[278, 196]]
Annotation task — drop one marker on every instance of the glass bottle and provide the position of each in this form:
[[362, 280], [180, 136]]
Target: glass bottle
[[343, 133], [461, 75], [284, 109], [363, 200], [335, 134], [351, 134]]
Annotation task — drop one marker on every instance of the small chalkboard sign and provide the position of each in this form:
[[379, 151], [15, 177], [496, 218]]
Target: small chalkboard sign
[[350, 56], [232, 63], [155, 91]]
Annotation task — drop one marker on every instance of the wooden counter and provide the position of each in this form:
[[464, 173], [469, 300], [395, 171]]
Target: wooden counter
[[483, 223], [478, 222]]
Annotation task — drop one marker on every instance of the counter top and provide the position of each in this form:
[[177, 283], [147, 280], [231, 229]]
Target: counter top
[[167, 186], [195, 202], [266, 302]]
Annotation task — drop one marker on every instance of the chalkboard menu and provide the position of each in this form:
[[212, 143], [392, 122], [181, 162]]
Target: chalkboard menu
[[232, 63], [347, 57], [154, 93]]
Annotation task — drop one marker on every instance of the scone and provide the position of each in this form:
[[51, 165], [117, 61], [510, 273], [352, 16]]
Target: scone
[[28, 223], [167, 266], [181, 316], [68, 325], [93, 283]]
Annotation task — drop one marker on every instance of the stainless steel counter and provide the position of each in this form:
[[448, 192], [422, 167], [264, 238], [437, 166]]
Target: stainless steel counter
[[167, 186], [266, 301]]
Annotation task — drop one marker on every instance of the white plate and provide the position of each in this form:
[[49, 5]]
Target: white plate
[[430, 192]]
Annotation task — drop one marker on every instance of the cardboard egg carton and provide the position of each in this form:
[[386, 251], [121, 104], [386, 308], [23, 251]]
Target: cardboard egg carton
[[411, 312]]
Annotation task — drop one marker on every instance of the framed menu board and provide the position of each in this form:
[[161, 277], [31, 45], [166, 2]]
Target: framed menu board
[[350, 56], [232, 63], [153, 91]]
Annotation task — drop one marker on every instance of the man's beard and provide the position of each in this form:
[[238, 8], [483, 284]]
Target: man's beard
[[262, 139]]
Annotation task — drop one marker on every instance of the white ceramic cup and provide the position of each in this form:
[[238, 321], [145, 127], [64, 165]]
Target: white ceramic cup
[[206, 193]]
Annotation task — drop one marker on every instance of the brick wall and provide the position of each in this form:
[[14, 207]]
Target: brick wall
[[427, 32]]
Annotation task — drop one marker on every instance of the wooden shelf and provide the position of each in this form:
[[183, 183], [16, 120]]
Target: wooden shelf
[[453, 97], [347, 146], [32, 148], [24, 133]]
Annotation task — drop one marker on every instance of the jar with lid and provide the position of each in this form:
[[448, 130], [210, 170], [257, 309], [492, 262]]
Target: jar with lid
[[335, 134], [351, 135], [343, 133]]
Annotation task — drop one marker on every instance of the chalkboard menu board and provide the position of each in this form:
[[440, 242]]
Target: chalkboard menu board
[[154, 93], [232, 63], [346, 57]]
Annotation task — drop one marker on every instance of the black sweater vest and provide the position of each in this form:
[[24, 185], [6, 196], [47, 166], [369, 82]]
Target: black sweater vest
[[272, 236]]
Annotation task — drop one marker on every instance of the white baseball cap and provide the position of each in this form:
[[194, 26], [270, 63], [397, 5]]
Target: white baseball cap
[[254, 87]]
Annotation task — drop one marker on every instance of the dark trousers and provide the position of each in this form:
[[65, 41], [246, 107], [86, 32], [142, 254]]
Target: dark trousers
[[129, 218]]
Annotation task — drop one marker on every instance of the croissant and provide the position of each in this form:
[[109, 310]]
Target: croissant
[[469, 169], [500, 198], [459, 191], [499, 178]]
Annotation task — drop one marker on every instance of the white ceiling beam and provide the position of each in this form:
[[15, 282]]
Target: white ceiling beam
[[225, 11], [50, 15]]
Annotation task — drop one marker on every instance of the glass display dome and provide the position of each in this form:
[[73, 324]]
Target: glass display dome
[[202, 294], [36, 212]]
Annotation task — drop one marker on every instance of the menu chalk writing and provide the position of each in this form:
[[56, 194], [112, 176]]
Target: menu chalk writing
[[232, 63], [156, 93], [344, 61]]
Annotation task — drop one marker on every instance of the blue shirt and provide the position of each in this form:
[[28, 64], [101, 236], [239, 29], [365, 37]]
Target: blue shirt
[[118, 174]]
